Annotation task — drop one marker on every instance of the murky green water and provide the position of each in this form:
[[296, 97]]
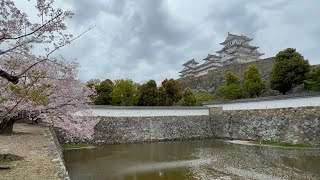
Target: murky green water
[[202, 159]]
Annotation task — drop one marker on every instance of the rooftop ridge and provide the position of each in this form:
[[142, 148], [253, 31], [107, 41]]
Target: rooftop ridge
[[210, 55], [234, 36], [192, 61]]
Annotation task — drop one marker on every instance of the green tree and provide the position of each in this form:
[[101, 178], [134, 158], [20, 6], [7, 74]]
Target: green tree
[[103, 90], [232, 90], [203, 97], [313, 80], [125, 93], [252, 81], [188, 98], [149, 94], [231, 78], [162, 96], [173, 94], [289, 70]]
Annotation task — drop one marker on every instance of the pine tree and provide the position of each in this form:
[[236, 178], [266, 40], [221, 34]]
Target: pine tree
[[104, 90], [162, 96], [252, 81], [173, 94], [125, 93], [313, 80], [289, 70], [149, 95], [188, 98], [232, 90], [203, 97], [231, 78]]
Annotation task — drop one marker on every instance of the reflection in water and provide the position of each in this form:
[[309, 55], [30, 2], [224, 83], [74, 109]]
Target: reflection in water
[[201, 159], [304, 163]]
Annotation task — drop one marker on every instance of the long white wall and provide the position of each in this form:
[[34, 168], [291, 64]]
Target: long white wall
[[270, 104], [143, 112]]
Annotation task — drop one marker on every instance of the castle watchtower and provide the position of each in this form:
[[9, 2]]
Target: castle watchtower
[[189, 68], [238, 50]]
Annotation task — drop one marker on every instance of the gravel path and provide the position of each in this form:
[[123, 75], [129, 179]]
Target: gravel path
[[34, 145]]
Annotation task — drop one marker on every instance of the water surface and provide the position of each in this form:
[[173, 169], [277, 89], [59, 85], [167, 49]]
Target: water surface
[[200, 159]]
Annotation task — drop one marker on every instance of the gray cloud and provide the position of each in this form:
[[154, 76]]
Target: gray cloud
[[234, 16], [146, 39]]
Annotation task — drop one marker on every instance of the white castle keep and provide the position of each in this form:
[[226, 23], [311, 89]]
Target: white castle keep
[[236, 50]]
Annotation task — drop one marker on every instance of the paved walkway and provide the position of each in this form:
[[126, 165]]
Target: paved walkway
[[34, 145]]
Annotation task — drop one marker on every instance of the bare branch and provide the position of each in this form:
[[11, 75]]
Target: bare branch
[[19, 45], [15, 79], [36, 30], [55, 49], [53, 78]]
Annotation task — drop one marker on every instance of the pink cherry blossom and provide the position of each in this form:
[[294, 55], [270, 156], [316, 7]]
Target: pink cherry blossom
[[37, 83]]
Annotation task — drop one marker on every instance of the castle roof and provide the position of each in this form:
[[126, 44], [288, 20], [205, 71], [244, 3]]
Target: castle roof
[[231, 37], [192, 61], [259, 54], [238, 47], [210, 56], [185, 70], [230, 60], [210, 63]]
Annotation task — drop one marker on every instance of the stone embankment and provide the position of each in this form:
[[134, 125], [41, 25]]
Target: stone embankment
[[112, 130], [42, 158], [293, 125]]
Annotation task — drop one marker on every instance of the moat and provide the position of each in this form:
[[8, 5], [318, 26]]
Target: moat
[[199, 159]]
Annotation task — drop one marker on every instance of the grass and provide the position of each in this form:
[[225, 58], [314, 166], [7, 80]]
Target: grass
[[6, 159], [284, 144], [75, 146], [4, 162]]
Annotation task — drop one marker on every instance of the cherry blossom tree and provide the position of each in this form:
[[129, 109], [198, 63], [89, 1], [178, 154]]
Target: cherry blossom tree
[[49, 90], [32, 82]]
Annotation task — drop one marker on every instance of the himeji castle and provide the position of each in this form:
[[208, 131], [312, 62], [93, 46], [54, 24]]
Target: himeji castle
[[236, 50]]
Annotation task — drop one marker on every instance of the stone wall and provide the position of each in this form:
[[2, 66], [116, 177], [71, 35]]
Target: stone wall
[[57, 151], [215, 78], [293, 125], [112, 130]]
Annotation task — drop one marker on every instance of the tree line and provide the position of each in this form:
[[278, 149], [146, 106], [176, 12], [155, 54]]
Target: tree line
[[290, 70], [124, 92]]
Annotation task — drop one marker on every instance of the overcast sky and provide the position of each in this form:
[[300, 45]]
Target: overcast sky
[[151, 39]]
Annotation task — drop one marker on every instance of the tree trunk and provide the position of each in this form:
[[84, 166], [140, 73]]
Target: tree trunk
[[6, 126]]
